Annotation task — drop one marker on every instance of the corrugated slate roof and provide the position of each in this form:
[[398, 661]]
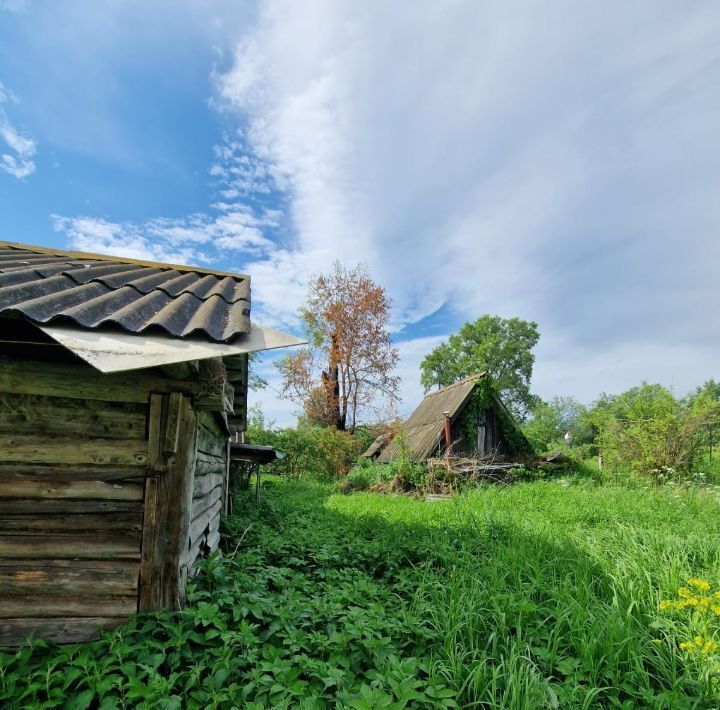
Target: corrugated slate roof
[[424, 429], [92, 290]]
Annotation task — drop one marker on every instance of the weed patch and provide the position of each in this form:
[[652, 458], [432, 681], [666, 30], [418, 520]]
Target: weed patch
[[535, 595]]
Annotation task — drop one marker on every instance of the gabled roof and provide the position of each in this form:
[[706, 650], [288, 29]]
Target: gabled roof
[[92, 290], [424, 429]]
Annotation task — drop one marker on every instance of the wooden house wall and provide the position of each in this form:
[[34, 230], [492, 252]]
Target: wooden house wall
[[110, 487], [209, 487], [73, 460]]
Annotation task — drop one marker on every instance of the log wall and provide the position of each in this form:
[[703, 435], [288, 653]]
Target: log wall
[[209, 487], [111, 486], [72, 466]]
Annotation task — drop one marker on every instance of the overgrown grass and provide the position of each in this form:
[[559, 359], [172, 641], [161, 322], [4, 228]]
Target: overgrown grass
[[535, 595]]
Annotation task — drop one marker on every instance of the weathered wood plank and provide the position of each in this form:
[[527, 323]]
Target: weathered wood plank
[[204, 484], [30, 487], [83, 382], [151, 550], [226, 481], [204, 520], [50, 472], [212, 443], [167, 516], [172, 424], [61, 450], [96, 577], [205, 466], [200, 505], [213, 540], [12, 506], [203, 545], [62, 416], [206, 460], [213, 423], [94, 546], [35, 606], [69, 630], [32, 524]]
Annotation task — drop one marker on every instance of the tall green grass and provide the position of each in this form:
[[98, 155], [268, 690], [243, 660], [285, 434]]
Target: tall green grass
[[529, 596], [547, 595]]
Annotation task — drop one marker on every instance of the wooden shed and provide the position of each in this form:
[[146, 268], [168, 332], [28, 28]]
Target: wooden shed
[[122, 384], [478, 422]]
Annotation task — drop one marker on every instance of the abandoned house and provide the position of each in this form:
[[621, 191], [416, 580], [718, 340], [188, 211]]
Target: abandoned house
[[121, 385], [466, 418]]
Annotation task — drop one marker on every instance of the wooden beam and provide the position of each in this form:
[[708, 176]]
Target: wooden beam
[[95, 577], [63, 416], [68, 630], [11, 506], [50, 472], [51, 606], [33, 487], [62, 451], [204, 484], [39, 524], [95, 546], [83, 382], [168, 500]]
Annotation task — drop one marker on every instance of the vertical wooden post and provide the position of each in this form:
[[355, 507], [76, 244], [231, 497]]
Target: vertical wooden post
[[226, 481], [172, 434]]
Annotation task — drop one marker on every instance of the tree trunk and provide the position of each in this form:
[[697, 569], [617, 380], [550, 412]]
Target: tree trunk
[[331, 381]]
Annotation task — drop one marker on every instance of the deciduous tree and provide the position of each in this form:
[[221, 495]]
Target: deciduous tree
[[502, 347], [349, 363]]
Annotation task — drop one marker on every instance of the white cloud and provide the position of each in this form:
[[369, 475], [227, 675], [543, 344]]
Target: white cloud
[[558, 163], [19, 161], [555, 163], [124, 240], [191, 239]]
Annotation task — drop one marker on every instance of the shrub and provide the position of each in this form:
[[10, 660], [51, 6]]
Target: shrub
[[309, 451], [646, 430], [404, 473], [369, 473]]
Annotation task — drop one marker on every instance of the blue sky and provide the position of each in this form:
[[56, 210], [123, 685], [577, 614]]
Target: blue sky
[[558, 162]]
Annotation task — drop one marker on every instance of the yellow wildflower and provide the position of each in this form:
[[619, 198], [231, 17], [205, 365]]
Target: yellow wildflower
[[700, 584]]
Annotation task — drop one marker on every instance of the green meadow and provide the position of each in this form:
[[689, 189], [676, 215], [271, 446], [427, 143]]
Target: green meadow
[[535, 595]]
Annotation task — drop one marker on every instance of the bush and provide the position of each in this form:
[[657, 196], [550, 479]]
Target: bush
[[369, 473], [309, 451], [646, 430], [404, 473]]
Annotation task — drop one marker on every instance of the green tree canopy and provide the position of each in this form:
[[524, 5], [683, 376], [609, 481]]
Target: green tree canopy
[[549, 421], [499, 346]]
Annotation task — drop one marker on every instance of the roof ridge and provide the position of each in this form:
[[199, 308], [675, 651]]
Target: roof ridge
[[463, 381]]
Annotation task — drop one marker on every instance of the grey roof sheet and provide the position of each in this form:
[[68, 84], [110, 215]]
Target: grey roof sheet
[[92, 290], [424, 428]]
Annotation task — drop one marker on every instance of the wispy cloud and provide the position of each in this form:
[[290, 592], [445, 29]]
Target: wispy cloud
[[240, 172], [196, 238], [19, 161], [232, 228], [13, 5]]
